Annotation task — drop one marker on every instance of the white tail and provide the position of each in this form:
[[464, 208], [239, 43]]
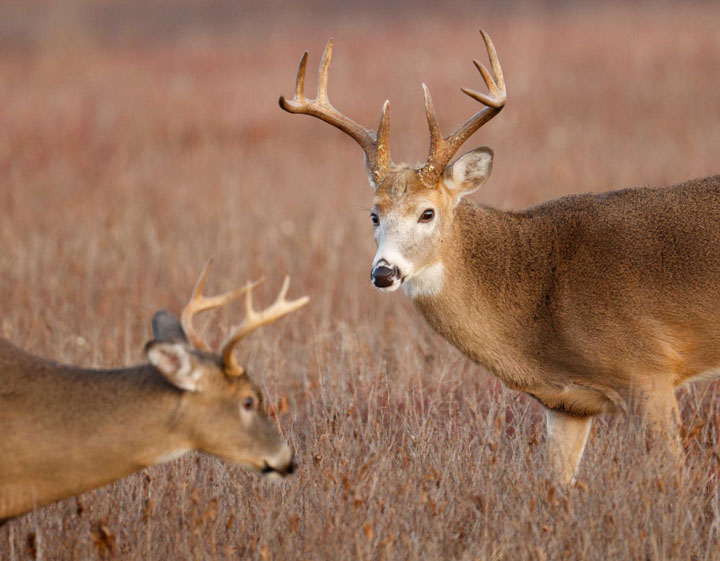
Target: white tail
[[588, 303], [65, 430]]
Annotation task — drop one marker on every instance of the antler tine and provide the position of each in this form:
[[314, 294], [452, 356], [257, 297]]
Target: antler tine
[[494, 100], [254, 320], [300, 80], [494, 60], [435, 134], [443, 149], [383, 143], [375, 145], [436, 138], [200, 303], [323, 71]]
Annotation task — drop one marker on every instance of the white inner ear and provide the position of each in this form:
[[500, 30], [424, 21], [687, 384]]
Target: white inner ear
[[469, 173], [173, 361]]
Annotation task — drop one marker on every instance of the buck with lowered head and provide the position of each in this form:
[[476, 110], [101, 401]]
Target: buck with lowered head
[[65, 430], [588, 302]]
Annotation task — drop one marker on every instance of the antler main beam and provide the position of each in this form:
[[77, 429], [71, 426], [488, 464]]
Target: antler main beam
[[443, 149], [375, 145], [254, 319]]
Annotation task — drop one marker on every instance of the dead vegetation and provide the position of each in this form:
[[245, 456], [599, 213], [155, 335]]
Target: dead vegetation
[[127, 159]]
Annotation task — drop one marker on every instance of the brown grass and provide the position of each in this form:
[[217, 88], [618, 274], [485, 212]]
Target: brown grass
[[135, 144]]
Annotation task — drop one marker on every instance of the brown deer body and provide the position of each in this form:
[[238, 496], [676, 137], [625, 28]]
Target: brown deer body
[[588, 302], [579, 300], [65, 430]]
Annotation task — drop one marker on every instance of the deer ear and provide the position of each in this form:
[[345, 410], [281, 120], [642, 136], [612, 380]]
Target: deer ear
[[175, 363], [468, 173], [167, 327]]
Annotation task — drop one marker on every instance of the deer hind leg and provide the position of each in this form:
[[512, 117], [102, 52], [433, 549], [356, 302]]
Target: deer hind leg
[[567, 436]]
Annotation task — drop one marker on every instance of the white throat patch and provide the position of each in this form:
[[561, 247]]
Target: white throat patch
[[428, 282]]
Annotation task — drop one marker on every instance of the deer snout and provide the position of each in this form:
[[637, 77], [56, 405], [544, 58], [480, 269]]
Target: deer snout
[[384, 274], [278, 473], [280, 465]]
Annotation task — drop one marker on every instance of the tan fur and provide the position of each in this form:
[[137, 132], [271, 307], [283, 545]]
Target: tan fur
[[584, 302], [65, 430]]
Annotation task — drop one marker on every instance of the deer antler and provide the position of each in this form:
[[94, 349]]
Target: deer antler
[[254, 319], [377, 151], [200, 303], [443, 149]]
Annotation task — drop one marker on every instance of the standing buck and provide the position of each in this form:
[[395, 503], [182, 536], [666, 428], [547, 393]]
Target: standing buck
[[587, 302], [65, 430]]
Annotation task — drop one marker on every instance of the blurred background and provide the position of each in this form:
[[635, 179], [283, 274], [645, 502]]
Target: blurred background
[[161, 119], [138, 138]]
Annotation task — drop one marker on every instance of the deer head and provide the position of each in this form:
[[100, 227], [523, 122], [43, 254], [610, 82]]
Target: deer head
[[223, 405], [413, 206]]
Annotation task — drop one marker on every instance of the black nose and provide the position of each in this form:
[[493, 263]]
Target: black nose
[[383, 276], [287, 470]]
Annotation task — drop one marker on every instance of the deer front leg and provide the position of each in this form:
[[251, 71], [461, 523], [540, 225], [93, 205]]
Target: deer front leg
[[567, 436], [659, 409]]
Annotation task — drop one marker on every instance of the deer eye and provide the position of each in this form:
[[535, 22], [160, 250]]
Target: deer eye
[[427, 215], [249, 403], [375, 218]]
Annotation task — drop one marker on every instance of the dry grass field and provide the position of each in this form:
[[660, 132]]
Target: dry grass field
[[137, 140]]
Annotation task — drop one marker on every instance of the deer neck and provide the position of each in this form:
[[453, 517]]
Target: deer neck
[[476, 304], [87, 428]]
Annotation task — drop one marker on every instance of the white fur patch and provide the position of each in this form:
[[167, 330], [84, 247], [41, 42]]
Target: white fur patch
[[569, 436], [469, 172], [707, 376], [173, 361], [172, 455], [428, 282], [392, 288], [391, 255]]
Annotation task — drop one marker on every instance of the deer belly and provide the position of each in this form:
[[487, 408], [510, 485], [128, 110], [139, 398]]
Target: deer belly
[[573, 400]]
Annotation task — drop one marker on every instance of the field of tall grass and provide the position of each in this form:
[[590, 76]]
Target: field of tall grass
[[138, 140]]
